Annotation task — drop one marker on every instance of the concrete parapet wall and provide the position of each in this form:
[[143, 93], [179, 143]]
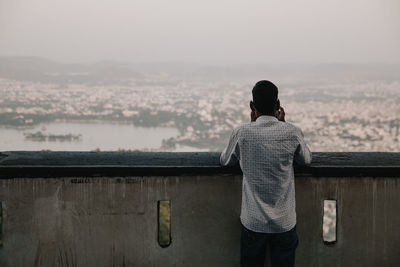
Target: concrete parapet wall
[[50, 218]]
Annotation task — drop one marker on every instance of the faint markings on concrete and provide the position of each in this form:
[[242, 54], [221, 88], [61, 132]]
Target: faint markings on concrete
[[1, 223]]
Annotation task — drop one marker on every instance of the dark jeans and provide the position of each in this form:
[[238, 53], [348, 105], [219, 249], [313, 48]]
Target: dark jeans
[[282, 248]]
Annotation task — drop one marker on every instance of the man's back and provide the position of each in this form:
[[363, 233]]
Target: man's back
[[266, 150]]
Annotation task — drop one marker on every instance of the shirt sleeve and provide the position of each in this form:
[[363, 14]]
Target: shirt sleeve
[[231, 154], [302, 155]]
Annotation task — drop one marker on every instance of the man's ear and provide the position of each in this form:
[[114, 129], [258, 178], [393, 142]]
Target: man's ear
[[253, 108]]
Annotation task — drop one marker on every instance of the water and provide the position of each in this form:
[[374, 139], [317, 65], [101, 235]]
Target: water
[[105, 136]]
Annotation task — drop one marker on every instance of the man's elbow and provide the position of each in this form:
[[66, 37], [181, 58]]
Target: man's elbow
[[227, 161], [304, 161], [308, 160], [222, 160]]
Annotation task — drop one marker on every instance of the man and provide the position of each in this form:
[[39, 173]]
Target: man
[[266, 149]]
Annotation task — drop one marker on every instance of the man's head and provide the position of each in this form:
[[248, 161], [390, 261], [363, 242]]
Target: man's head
[[265, 98]]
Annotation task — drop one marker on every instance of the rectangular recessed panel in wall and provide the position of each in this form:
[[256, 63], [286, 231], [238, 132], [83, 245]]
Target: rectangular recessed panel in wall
[[329, 221], [164, 223]]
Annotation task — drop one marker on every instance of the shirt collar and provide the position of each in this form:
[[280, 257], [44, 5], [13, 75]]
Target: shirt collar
[[266, 118]]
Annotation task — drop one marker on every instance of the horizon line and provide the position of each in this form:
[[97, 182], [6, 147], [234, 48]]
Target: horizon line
[[187, 62]]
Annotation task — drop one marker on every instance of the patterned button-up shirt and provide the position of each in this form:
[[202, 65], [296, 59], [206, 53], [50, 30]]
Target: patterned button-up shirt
[[266, 150]]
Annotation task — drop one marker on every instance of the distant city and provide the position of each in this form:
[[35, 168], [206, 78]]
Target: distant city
[[339, 107]]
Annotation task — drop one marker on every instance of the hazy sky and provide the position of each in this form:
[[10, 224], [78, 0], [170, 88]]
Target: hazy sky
[[205, 31]]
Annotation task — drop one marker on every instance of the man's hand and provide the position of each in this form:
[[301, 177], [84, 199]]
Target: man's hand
[[281, 116]]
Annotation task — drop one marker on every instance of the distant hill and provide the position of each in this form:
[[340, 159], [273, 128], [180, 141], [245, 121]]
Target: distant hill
[[42, 70], [46, 71]]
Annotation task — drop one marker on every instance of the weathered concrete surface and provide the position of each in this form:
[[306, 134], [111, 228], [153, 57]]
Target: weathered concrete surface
[[110, 223], [113, 222], [106, 213], [367, 221]]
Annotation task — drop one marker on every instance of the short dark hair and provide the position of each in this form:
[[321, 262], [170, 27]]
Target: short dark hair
[[265, 96]]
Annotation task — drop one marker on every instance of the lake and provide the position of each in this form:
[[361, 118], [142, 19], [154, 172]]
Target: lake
[[93, 135]]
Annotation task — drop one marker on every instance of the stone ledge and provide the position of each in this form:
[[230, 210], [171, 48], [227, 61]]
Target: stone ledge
[[116, 164]]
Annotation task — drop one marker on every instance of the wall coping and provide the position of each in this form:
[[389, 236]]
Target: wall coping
[[42, 164]]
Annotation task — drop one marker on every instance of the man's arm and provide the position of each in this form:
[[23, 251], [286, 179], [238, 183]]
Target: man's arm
[[302, 155], [230, 156]]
